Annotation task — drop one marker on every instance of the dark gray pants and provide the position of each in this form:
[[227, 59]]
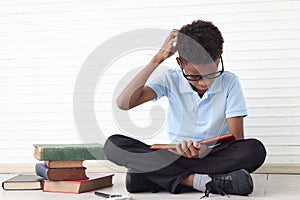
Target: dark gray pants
[[167, 170]]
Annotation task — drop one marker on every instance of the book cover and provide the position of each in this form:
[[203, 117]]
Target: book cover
[[91, 151], [208, 142], [60, 174], [23, 182], [78, 186], [64, 163]]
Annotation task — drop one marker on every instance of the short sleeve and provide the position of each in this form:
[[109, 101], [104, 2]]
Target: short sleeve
[[235, 101], [159, 85]]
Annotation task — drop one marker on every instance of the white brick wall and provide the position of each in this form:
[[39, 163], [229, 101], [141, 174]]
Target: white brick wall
[[43, 45]]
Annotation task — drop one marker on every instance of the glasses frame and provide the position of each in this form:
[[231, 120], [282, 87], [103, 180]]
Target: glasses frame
[[213, 75]]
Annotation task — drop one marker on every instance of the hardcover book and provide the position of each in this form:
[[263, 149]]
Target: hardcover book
[[91, 151], [64, 163], [208, 142], [78, 186], [23, 182], [60, 174]]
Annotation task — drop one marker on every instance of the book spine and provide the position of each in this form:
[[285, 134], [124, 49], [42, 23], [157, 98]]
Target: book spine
[[75, 192], [76, 153], [57, 164], [41, 170]]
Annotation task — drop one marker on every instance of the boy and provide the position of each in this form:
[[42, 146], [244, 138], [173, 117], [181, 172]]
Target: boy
[[204, 101]]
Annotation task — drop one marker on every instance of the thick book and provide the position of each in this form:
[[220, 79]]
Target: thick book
[[60, 174], [78, 186], [23, 182], [64, 163], [208, 142], [91, 151]]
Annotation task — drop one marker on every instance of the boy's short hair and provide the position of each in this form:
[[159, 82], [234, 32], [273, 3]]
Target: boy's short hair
[[200, 42]]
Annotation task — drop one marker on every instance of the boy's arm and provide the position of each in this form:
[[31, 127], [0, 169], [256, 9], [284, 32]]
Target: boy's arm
[[136, 93], [236, 127]]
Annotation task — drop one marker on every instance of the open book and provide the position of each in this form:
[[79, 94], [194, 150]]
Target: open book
[[208, 142]]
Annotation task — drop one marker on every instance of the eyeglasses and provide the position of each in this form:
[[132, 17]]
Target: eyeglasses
[[207, 76]]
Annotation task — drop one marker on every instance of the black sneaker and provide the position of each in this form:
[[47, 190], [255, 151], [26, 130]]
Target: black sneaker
[[237, 182], [136, 182]]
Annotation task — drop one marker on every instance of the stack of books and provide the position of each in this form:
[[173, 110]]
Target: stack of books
[[62, 170], [56, 170]]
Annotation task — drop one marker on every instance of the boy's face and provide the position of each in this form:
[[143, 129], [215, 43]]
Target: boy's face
[[200, 69]]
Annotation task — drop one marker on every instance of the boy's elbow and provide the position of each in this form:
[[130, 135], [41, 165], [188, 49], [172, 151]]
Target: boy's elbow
[[122, 105]]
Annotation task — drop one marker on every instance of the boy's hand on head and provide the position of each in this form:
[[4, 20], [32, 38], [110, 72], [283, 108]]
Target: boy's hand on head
[[169, 46], [190, 149]]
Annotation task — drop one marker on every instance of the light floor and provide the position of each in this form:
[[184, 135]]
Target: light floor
[[267, 186]]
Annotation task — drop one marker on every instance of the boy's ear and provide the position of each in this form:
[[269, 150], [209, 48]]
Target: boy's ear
[[217, 61]]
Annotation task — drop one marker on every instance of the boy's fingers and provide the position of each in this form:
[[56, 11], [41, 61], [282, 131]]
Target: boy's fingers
[[174, 33], [193, 150], [184, 145], [178, 149], [185, 148]]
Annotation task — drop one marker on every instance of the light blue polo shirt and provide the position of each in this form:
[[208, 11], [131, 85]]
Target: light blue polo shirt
[[190, 117]]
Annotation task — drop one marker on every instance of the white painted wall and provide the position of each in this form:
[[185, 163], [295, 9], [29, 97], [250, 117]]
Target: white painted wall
[[43, 45]]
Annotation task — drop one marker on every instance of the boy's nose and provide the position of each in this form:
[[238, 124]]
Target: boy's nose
[[202, 82]]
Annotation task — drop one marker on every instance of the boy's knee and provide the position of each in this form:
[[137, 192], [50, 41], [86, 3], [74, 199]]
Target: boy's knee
[[256, 154], [257, 149], [109, 145], [114, 138]]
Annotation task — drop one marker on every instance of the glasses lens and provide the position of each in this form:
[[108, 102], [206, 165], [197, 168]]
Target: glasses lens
[[193, 77], [199, 77], [213, 75]]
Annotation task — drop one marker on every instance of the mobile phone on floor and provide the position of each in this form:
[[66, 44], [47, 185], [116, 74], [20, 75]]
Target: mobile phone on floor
[[113, 196]]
